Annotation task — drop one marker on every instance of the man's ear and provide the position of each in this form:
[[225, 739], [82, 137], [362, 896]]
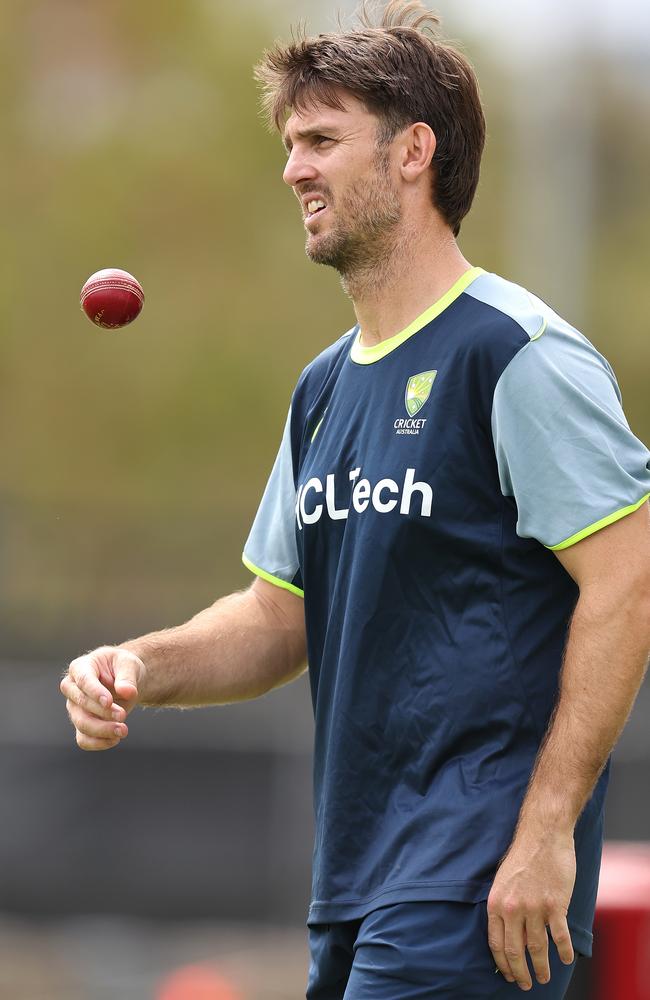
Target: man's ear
[[417, 148]]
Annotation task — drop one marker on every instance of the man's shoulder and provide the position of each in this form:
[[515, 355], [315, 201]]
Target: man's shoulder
[[557, 344], [505, 303], [514, 324], [321, 367]]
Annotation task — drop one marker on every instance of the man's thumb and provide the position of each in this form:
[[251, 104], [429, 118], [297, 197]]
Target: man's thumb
[[127, 671]]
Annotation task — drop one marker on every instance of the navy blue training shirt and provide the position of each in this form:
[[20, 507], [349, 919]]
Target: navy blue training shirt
[[420, 488]]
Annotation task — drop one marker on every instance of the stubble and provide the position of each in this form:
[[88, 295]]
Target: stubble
[[363, 243]]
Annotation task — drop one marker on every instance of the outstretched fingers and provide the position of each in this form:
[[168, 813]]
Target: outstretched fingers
[[497, 941], [537, 945], [514, 949], [561, 935]]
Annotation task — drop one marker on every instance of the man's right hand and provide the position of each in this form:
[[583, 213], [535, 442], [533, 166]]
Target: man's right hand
[[101, 688]]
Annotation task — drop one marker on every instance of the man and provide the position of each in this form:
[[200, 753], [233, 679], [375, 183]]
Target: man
[[459, 501]]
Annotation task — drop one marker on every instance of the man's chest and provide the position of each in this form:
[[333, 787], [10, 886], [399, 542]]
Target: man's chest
[[405, 443]]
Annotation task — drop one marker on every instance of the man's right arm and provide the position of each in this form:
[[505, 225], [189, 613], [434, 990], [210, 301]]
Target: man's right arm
[[239, 648]]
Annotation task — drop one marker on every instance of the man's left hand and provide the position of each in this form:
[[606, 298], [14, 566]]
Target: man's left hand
[[531, 891]]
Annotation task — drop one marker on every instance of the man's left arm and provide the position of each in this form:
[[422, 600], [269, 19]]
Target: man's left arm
[[604, 663]]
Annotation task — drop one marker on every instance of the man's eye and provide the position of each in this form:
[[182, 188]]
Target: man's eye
[[320, 139]]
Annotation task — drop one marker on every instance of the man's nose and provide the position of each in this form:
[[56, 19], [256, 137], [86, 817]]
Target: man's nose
[[298, 168]]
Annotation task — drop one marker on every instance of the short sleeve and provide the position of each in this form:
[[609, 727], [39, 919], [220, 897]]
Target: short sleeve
[[564, 449], [271, 551]]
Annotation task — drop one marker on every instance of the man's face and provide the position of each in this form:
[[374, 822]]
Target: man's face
[[334, 161]]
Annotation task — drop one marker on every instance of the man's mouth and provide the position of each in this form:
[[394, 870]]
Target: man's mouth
[[314, 208]]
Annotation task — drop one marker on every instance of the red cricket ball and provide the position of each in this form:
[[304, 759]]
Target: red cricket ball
[[111, 298]]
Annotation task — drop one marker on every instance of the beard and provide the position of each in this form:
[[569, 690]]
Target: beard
[[368, 213]]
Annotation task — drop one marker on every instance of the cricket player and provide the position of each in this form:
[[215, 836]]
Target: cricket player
[[456, 536]]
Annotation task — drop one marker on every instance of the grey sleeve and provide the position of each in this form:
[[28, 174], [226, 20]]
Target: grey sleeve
[[564, 449], [271, 551]]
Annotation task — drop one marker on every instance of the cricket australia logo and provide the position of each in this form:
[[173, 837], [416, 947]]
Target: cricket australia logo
[[418, 390]]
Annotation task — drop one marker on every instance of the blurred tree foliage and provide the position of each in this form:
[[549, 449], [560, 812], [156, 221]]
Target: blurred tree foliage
[[133, 461]]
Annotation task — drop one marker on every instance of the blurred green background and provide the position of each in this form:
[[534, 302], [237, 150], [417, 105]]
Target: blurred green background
[[133, 461]]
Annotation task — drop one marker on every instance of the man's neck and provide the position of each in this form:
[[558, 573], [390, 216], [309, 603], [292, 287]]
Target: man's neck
[[412, 276]]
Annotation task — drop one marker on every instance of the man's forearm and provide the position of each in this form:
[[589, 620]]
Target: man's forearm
[[605, 660], [237, 649]]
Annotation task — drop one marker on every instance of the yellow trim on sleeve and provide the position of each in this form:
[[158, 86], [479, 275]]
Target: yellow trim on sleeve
[[270, 578], [367, 355], [317, 428], [604, 521], [541, 330]]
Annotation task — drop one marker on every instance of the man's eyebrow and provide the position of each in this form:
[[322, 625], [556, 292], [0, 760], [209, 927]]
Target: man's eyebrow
[[305, 133]]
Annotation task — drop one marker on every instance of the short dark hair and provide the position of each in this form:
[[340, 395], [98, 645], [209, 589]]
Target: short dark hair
[[403, 72]]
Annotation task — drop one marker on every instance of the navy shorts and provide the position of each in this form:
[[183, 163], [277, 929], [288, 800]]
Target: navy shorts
[[428, 951]]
